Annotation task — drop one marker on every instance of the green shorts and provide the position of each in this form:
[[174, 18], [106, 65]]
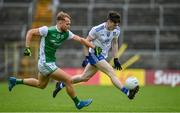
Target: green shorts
[[46, 68]]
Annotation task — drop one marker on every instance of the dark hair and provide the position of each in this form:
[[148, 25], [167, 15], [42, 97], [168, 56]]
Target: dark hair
[[114, 16], [61, 15]]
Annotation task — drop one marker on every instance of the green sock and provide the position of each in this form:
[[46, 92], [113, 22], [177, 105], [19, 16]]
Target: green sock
[[76, 100], [19, 81]]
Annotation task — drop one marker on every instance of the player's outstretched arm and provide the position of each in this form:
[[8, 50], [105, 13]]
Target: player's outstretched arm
[[84, 41], [30, 34], [115, 47], [117, 64]]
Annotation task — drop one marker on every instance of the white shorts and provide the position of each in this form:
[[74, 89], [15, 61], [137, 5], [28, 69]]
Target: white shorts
[[46, 68]]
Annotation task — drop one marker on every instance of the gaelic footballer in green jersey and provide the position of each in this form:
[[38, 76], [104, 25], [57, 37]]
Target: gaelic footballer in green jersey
[[51, 39]]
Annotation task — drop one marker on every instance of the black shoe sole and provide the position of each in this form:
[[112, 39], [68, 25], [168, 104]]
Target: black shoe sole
[[135, 90], [56, 90]]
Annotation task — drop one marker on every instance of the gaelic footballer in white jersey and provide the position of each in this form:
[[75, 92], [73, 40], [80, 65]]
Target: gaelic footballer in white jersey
[[103, 37]]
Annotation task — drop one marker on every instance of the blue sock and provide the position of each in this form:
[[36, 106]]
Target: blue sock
[[62, 84], [125, 90]]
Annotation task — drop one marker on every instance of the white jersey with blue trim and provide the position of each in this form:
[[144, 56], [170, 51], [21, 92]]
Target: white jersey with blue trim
[[102, 37]]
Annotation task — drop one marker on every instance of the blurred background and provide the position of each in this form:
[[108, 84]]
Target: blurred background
[[150, 28]]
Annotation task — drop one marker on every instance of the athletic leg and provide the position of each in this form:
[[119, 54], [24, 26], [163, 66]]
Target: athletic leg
[[105, 67], [60, 75], [41, 82], [88, 72]]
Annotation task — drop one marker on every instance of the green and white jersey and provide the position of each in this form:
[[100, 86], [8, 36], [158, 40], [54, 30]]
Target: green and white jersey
[[51, 39]]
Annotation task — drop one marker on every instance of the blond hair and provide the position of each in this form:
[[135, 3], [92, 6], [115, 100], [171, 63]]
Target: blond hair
[[61, 15]]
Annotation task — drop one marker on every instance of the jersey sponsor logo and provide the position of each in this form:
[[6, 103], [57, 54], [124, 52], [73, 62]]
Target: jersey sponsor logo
[[53, 35], [55, 43], [60, 36]]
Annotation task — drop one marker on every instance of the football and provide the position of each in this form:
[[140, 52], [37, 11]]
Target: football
[[131, 83]]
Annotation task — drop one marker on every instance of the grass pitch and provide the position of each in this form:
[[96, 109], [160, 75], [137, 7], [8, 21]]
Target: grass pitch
[[105, 99]]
